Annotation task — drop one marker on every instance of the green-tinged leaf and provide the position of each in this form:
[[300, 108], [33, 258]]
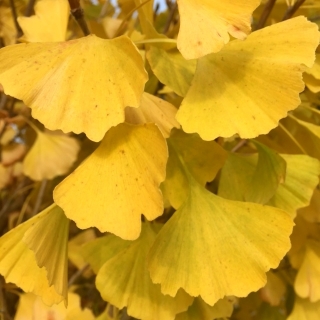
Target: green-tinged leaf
[[85, 92], [20, 265], [118, 182], [269, 173], [204, 159], [200, 310], [172, 69], [48, 239], [225, 247], [301, 179], [237, 90], [305, 310], [267, 312], [124, 281]]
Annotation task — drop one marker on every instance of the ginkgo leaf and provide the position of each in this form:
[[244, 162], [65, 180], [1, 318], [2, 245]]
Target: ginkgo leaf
[[307, 282], [204, 159], [200, 310], [32, 308], [51, 155], [268, 312], [311, 213], [238, 91], [19, 265], [172, 69], [205, 25], [118, 182], [85, 92], [154, 110], [305, 310], [241, 175], [273, 292], [301, 179], [238, 241], [312, 76], [48, 239], [48, 24], [271, 169], [123, 279]]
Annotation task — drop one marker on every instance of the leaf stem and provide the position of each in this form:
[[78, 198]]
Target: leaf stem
[[312, 109], [78, 14], [265, 14], [160, 40], [293, 9], [15, 19], [288, 133], [170, 17], [29, 8]]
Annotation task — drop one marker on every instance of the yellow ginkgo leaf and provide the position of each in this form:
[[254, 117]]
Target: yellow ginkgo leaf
[[206, 25], [200, 310], [305, 310], [32, 308], [273, 292], [124, 280], [51, 155], [311, 213], [118, 182], [238, 242], [48, 239], [19, 263], [238, 91], [307, 282], [154, 110], [203, 158], [85, 92], [312, 76], [301, 179], [172, 69], [48, 24], [8, 32]]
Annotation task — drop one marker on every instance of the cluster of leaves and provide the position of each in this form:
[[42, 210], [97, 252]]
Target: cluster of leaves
[[193, 146]]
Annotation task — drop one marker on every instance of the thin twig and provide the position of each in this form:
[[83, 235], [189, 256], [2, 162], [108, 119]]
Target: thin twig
[[15, 19], [170, 17], [239, 145], [288, 133], [265, 14], [29, 8], [293, 9], [39, 197], [78, 14], [77, 274]]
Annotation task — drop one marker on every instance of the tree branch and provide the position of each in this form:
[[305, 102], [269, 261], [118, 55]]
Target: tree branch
[[265, 14], [77, 13], [29, 8], [15, 19], [293, 9]]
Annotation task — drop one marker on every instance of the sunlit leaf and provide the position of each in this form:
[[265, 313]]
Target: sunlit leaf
[[204, 159], [311, 213], [51, 155], [154, 110], [307, 282], [49, 22], [118, 182], [19, 265], [200, 310], [172, 69], [301, 179], [305, 310], [48, 239], [66, 90], [238, 241], [238, 91], [124, 281], [206, 25]]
